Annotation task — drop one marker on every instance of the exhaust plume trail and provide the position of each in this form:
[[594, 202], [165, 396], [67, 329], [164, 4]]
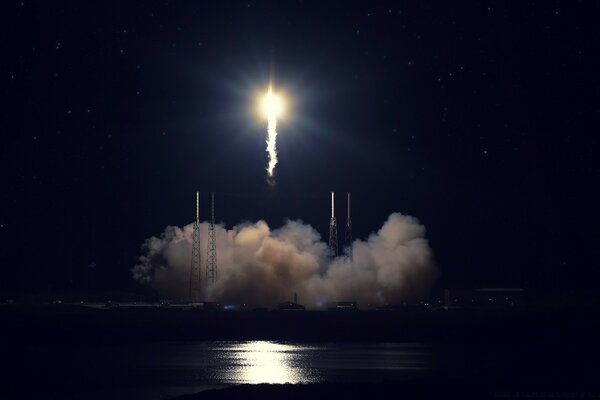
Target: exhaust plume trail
[[272, 107]]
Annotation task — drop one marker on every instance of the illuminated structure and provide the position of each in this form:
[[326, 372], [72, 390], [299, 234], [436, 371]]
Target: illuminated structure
[[195, 267]]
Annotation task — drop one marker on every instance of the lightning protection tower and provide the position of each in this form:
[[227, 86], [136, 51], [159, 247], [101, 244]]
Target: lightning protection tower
[[195, 267], [333, 240], [348, 253], [211, 252]]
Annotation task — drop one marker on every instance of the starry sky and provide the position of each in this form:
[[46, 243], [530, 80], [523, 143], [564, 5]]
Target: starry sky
[[479, 118]]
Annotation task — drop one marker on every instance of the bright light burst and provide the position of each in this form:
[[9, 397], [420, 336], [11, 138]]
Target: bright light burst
[[272, 105]]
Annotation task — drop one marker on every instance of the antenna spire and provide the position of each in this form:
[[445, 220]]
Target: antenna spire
[[332, 205]]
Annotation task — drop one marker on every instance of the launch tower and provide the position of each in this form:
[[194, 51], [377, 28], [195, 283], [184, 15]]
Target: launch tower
[[195, 267], [333, 240], [348, 253], [211, 253]]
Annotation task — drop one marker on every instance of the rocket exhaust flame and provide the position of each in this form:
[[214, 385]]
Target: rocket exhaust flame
[[272, 107], [272, 145]]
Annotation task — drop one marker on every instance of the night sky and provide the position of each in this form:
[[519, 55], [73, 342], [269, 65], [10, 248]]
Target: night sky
[[479, 118]]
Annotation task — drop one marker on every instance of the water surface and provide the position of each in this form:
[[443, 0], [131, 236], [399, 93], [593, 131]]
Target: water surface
[[167, 369]]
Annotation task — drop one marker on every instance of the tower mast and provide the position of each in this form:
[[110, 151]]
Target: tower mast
[[333, 241], [211, 253], [348, 251], [195, 267]]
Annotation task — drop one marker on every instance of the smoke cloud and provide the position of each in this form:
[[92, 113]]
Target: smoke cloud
[[259, 266]]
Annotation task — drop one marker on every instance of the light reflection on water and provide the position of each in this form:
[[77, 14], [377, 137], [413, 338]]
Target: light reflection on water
[[265, 362], [277, 362]]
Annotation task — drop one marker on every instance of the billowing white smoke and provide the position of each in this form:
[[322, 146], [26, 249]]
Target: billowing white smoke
[[258, 266]]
